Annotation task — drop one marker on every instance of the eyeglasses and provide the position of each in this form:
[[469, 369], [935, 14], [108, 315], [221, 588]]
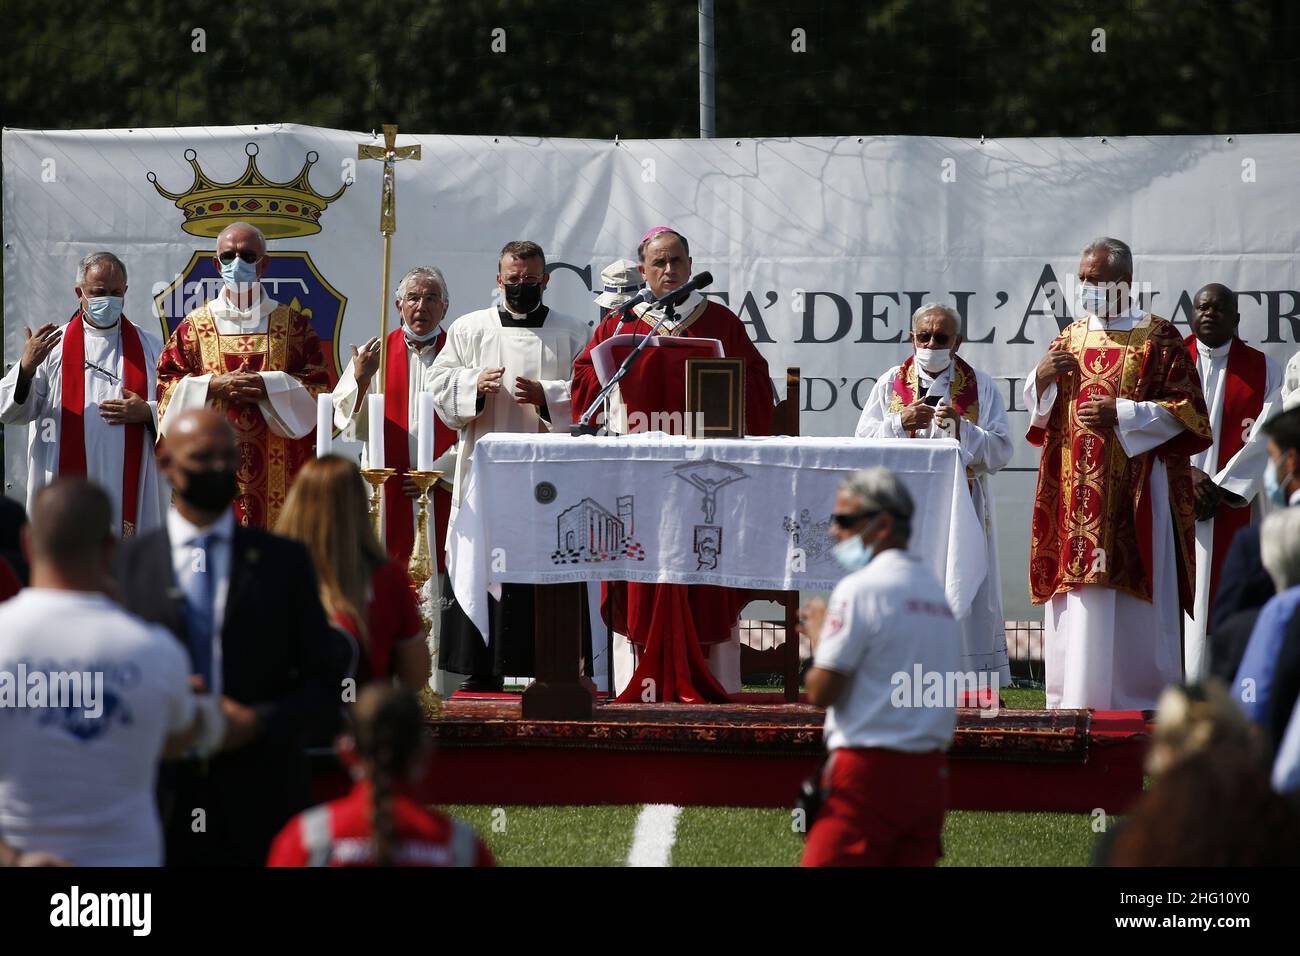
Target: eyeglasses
[[433, 297], [932, 338], [227, 257], [846, 521], [525, 280]]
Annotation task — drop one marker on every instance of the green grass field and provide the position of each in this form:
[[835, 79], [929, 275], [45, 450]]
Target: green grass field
[[734, 836]]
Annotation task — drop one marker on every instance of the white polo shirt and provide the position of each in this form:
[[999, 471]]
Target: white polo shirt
[[890, 631], [79, 782]]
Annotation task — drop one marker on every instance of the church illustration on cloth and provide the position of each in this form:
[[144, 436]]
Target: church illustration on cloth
[[588, 531]]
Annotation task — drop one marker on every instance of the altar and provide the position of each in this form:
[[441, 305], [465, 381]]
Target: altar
[[747, 513]]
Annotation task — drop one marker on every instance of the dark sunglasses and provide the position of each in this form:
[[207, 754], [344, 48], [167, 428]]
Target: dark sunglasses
[[935, 338], [847, 521], [227, 257]]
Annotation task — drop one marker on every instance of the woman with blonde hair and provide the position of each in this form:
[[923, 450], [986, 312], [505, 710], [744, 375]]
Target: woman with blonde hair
[[366, 594]]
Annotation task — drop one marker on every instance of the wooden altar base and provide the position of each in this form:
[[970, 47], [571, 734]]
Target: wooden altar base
[[755, 753]]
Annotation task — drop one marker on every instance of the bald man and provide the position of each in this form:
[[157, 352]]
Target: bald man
[[77, 774], [257, 362], [1242, 389], [244, 603]]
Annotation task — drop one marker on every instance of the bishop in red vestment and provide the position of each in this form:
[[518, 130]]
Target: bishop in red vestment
[[672, 624]]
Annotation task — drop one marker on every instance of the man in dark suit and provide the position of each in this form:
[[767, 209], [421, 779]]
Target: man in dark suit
[[1245, 586], [245, 604]]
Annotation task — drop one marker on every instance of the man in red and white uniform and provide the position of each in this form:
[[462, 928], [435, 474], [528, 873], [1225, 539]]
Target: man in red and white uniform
[[888, 628]]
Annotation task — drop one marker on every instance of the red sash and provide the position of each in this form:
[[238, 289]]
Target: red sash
[[399, 523], [72, 437], [1243, 400]]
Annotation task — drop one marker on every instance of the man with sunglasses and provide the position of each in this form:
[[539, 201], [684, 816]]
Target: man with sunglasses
[[887, 623], [257, 361], [935, 394], [86, 390], [504, 369]]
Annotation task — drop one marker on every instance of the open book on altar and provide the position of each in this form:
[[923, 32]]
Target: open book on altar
[[661, 352]]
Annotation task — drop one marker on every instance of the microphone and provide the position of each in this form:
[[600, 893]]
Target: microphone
[[625, 310]]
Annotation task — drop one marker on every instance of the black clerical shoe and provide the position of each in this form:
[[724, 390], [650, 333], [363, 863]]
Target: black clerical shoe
[[483, 685]]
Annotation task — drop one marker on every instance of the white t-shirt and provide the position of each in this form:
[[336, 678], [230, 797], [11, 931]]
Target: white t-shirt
[[890, 631], [78, 780]]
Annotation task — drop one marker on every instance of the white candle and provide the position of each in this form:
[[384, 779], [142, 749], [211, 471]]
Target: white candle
[[324, 425], [375, 432], [424, 431]]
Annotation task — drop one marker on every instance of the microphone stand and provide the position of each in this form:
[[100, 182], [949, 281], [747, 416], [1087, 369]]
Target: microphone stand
[[583, 426]]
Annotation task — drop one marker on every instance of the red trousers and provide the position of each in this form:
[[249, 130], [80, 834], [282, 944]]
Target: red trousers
[[883, 808]]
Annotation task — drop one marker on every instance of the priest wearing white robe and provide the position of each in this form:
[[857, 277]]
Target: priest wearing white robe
[[1117, 407], [85, 391], [934, 394], [256, 360], [1242, 389], [422, 302], [504, 369]]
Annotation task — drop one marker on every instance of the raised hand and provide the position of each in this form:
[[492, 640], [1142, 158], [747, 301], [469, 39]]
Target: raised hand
[[36, 347], [365, 361]]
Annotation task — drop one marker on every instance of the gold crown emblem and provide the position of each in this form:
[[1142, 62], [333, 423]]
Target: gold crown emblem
[[290, 208]]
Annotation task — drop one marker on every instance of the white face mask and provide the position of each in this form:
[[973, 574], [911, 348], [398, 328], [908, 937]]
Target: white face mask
[[934, 360]]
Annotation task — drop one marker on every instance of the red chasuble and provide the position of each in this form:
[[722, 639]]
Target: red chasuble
[[1092, 509], [671, 622], [72, 430], [399, 526], [1243, 400], [268, 462]]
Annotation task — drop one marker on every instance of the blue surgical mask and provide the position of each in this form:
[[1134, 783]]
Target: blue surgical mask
[[103, 311], [238, 274], [421, 339], [1092, 299], [853, 554], [1275, 487]]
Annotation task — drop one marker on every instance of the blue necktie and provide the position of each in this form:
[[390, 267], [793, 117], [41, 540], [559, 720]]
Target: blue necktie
[[200, 600]]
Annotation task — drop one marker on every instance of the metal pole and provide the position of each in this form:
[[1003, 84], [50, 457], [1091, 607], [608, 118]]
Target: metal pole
[[708, 119]]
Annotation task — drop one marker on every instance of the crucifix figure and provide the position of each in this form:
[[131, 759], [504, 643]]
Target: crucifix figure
[[710, 485], [389, 154]]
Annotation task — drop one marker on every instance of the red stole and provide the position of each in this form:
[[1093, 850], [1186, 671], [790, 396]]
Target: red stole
[[1243, 400], [72, 436], [399, 523]]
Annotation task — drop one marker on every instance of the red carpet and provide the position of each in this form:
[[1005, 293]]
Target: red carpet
[[755, 753]]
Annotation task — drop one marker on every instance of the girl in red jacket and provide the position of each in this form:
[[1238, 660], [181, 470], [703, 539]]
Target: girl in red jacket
[[380, 822]]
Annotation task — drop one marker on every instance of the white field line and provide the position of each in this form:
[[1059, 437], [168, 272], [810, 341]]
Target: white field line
[[656, 831]]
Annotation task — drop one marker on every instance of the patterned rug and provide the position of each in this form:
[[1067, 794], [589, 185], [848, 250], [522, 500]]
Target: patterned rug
[[777, 729]]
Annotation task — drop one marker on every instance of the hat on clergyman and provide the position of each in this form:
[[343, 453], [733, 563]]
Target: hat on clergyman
[[619, 281]]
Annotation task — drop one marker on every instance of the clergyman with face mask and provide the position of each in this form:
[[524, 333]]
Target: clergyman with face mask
[[259, 363], [1116, 406], [86, 390], [935, 394], [503, 369]]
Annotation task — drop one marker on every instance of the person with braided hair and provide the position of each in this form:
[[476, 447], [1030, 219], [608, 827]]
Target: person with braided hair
[[380, 822]]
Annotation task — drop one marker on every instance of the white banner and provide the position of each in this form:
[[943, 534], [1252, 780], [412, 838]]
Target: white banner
[[824, 246]]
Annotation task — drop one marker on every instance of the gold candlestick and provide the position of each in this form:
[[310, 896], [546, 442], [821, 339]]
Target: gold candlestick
[[421, 563], [420, 567], [377, 477]]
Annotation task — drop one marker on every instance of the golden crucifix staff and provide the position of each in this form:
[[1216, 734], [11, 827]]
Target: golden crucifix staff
[[389, 154]]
